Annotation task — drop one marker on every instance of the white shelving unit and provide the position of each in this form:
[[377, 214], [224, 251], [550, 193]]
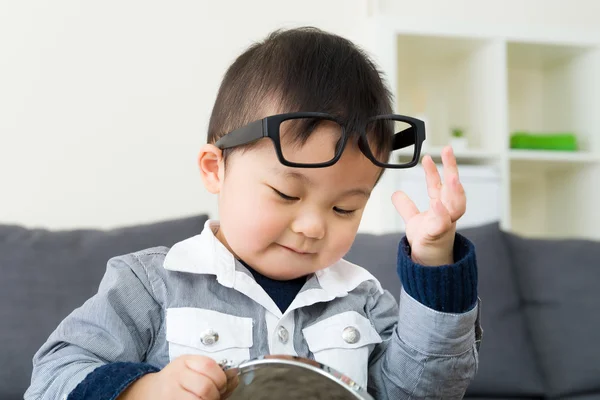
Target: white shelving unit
[[491, 84]]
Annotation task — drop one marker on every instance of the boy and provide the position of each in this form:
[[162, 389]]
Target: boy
[[269, 277]]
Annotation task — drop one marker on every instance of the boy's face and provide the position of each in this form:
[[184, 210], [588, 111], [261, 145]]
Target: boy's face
[[313, 227]]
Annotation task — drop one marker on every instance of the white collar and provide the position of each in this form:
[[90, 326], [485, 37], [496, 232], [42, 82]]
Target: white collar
[[205, 254]]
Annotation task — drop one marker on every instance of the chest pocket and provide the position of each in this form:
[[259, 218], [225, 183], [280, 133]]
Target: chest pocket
[[343, 343], [220, 336]]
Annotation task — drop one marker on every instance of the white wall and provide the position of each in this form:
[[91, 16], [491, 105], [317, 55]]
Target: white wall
[[578, 15], [103, 105]]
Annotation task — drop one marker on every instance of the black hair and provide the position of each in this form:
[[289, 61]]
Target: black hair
[[301, 69]]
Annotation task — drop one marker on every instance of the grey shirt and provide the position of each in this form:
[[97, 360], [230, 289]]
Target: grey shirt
[[195, 298]]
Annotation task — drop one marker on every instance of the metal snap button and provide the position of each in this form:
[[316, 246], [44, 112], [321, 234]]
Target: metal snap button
[[351, 335], [209, 337], [283, 334]]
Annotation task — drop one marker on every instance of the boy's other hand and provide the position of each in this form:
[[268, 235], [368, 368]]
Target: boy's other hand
[[185, 378], [430, 233]]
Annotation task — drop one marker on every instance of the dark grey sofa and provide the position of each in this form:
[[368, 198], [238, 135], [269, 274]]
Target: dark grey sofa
[[540, 310]]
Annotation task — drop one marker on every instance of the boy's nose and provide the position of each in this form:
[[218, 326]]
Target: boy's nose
[[309, 224]]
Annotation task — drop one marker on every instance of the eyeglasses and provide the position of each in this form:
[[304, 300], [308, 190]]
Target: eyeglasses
[[291, 131]]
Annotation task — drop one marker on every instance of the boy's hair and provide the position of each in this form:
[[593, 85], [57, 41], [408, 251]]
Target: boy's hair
[[302, 69]]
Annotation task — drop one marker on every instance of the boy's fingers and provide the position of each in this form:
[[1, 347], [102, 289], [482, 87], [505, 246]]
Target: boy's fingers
[[187, 395], [198, 385], [210, 369], [432, 177], [441, 210], [453, 195], [454, 199], [438, 220], [449, 163], [450, 170], [404, 205]]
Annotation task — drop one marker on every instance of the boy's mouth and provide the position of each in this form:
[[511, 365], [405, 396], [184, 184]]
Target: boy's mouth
[[297, 251]]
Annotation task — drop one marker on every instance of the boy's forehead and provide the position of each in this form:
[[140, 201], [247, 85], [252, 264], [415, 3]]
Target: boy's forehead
[[289, 173], [356, 176]]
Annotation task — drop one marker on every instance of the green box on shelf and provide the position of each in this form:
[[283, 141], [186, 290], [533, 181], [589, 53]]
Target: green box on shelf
[[539, 141]]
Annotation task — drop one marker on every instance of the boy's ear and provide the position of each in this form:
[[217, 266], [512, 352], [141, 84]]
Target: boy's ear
[[210, 161]]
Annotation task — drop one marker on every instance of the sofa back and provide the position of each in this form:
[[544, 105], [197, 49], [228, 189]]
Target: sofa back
[[45, 275], [559, 286]]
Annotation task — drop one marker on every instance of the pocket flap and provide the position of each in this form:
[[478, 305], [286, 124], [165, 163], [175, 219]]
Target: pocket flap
[[207, 330], [348, 330]]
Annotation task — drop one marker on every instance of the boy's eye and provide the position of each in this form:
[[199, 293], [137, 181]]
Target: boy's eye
[[285, 196], [343, 212]]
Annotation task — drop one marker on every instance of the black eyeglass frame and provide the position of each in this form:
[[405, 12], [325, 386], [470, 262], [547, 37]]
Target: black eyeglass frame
[[269, 127]]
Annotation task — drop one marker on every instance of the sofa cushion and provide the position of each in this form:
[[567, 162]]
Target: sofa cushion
[[507, 366], [590, 396], [559, 283], [378, 254], [46, 275]]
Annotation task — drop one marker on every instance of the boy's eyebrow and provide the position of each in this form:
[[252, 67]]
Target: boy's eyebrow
[[295, 175], [357, 191], [306, 180]]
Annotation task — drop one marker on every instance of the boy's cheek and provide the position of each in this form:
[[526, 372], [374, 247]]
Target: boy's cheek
[[258, 219], [341, 239]]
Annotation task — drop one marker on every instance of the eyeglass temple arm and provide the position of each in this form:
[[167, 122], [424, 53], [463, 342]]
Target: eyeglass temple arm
[[404, 138], [244, 135]]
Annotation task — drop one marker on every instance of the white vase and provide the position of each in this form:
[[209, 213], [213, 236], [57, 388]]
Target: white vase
[[458, 143]]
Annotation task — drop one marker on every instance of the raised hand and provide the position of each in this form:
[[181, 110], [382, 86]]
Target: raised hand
[[431, 233]]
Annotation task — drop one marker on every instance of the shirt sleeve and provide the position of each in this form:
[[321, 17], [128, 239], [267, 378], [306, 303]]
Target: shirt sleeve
[[430, 339], [117, 325], [108, 381], [447, 288]]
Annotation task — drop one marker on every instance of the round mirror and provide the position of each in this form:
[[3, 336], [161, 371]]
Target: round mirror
[[290, 378]]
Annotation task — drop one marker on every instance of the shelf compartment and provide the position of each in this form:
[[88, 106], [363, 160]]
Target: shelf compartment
[[554, 156], [554, 88], [453, 82], [552, 202]]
